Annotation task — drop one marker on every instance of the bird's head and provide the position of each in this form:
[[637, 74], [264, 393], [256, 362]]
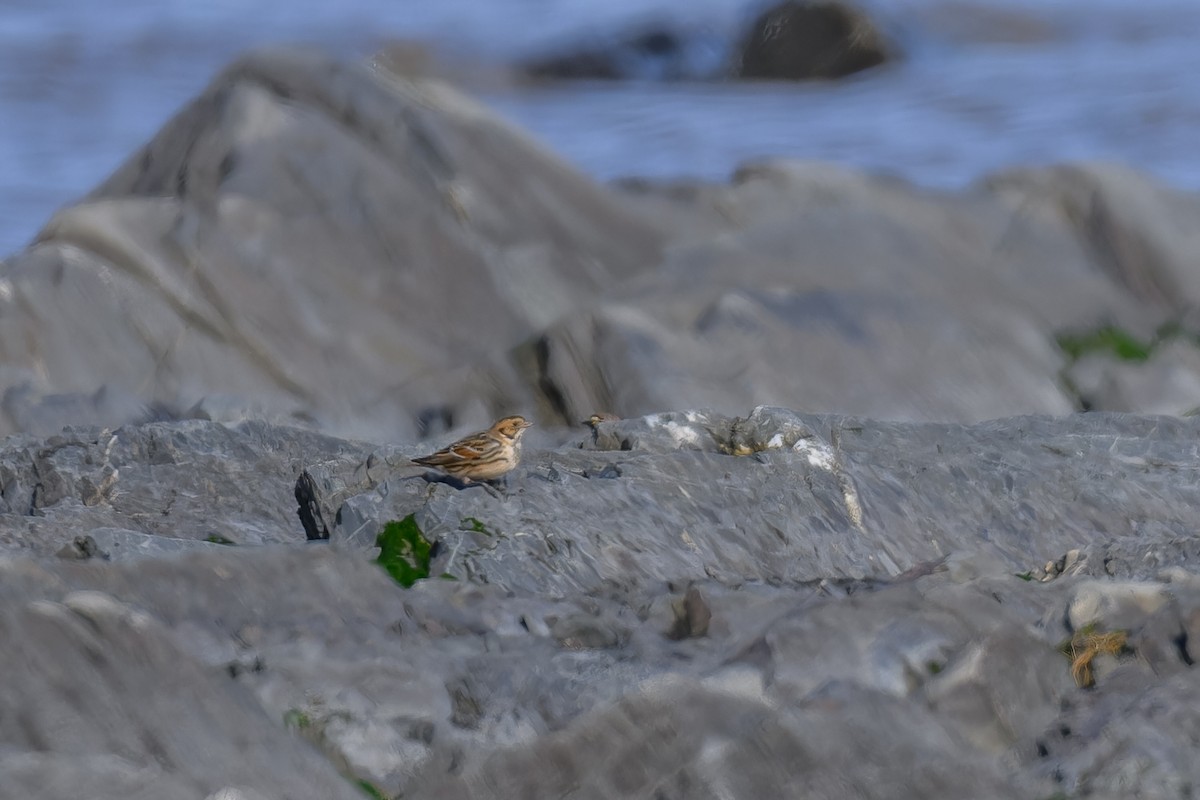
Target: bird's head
[[511, 427]]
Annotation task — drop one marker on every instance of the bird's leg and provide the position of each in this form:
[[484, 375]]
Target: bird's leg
[[490, 486]]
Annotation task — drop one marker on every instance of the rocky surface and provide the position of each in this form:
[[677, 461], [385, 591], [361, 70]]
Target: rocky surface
[[682, 605]]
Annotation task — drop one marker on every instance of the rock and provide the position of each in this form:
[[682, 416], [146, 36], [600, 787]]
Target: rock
[[287, 242], [686, 740], [1113, 605], [1161, 640], [235, 793], [808, 639], [1123, 735], [805, 39], [653, 52], [86, 668], [733, 519], [1002, 690], [1167, 383], [692, 615], [1141, 233], [962, 327], [153, 489]]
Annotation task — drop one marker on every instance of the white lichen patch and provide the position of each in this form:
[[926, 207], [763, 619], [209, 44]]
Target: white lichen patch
[[682, 434], [853, 506], [822, 456], [775, 442], [819, 454], [687, 539]]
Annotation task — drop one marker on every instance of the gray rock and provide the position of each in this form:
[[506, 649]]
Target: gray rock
[[1167, 383], [1126, 737], [857, 500], [653, 52], [287, 242], [1162, 640], [819, 288], [154, 488], [843, 651], [1113, 605], [103, 682], [1141, 233], [686, 740], [806, 39]]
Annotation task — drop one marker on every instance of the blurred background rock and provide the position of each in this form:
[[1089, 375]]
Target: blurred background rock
[[334, 237]]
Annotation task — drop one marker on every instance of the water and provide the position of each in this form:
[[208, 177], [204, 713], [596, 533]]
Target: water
[[83, 84]]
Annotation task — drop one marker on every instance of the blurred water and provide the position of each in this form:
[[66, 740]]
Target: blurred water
[[83, 84]]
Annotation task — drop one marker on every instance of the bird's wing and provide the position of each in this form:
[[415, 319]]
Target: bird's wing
[[471, 448], [474, 447]]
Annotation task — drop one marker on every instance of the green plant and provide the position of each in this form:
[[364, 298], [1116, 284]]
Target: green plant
[[1109, 339], [473, 524], [404, 551], [216, 538], [371, 790], [296, 719]]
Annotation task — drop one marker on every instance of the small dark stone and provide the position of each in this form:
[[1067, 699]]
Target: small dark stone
[[607, 471], [82, 548], [692, 615]]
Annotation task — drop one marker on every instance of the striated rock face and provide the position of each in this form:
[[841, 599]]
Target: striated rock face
[[687, 603], [806, 39]]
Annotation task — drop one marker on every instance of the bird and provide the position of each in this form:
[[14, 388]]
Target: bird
[[482, 457], [594, 422], [600, 416]]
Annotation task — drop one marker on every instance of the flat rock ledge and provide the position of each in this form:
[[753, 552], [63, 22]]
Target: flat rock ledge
[[683, 605]]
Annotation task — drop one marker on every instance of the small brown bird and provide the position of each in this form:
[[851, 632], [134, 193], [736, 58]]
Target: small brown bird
[[601, 416], [594, 421], [484, 456]]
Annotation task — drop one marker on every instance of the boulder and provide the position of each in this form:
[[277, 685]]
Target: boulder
[[649, 52], [1140, 233], [829, 290], [811, 39], [310, 235], [102, 697]]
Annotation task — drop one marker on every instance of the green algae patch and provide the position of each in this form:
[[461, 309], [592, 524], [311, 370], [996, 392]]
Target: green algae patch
[[371, 790], [404, 552], [1108, 339]]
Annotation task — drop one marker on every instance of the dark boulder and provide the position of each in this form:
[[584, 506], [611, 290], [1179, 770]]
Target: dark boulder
[[811, 39]]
